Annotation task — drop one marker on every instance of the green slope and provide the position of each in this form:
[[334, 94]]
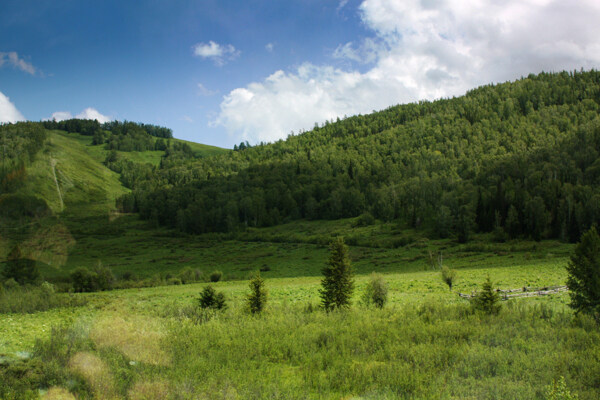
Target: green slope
[[82, 183]]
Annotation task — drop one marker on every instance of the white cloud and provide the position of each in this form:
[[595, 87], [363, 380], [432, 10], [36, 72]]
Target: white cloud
[[220, 54], [8, 111], [269, 47], [88, 113], [12, 58], [61, 115], [420, 49], [92, 113], [203, 91]]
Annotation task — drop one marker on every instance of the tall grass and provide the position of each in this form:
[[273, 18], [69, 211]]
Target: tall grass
[[426, 350], [429, 350]]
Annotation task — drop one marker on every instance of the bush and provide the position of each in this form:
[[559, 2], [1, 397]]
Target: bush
[[84, 280], [209, 298], [376, 291], [448, 276], [488, 300], [104, 277], [216, 276], [187, 275], [257, 298]]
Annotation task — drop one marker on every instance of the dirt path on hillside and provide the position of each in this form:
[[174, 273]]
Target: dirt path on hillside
[[53, 165]]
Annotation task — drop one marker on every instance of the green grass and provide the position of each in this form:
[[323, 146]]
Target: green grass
[[86, 185], [137, 247], [424, 344]]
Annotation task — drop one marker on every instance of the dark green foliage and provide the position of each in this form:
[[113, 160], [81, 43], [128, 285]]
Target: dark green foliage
[[210, 298], [19, 145], [22, 270], [448, 276], [376, 292], [584, 275], [215, 276], [337, 284], [100, 278], [257, 298], [487, 300]]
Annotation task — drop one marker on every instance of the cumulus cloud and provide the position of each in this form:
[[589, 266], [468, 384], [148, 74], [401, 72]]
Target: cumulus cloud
[[419, 49], [88, 113], [8, 111], [12, 58], [220, 54]]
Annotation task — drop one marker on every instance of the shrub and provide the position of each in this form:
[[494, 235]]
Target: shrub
[[488, 300], [337, 284], [209, 298], [584, 275], [376, 291], [187, 275], [215, 276], [448, 276], [83, 280], [257, 298], [104, 277]]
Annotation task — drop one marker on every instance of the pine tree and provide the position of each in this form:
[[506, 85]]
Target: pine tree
[[488, 299], [584, 275], [337, 284], [257, 298]]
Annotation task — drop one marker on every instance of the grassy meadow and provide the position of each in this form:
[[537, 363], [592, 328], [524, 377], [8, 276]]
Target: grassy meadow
[[426, 342]]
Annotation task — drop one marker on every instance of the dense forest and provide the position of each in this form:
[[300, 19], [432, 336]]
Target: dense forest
[[123, 136], [516, 159], [19, 145]]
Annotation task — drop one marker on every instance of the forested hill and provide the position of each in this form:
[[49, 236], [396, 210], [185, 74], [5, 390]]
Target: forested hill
[[518, 158]]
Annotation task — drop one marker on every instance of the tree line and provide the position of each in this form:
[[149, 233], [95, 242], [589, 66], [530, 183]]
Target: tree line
[[520, 159]]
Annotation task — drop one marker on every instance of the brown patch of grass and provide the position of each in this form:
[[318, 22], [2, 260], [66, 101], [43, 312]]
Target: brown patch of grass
[[58, 393], [95, 372], [154, 390], [138, 337]]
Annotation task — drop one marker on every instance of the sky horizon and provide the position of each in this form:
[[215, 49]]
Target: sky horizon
[[222, 72]]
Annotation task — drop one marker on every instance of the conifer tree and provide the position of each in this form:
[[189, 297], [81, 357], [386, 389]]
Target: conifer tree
[[584, 275], [337, 284], [257, 298], [488, 299]]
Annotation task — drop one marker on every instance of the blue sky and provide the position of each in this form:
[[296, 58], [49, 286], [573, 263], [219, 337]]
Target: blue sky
[[219, 72]]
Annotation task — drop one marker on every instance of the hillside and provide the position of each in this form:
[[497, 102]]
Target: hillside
[[520, 159], [514, 161]]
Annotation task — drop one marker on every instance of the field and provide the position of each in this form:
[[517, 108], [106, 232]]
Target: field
[[426, 343]]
